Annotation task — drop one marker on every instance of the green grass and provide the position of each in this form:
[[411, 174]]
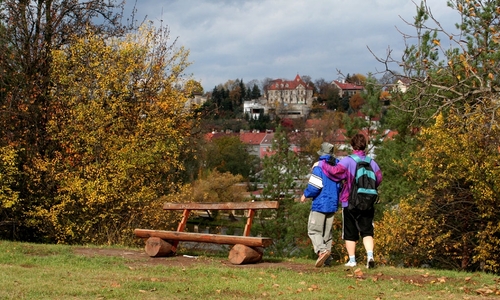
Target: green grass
[[34, 271]]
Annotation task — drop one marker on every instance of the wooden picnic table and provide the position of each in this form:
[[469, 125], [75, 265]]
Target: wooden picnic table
[[246, 248]]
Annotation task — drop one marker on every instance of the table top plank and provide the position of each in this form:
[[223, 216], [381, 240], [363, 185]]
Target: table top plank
[[221, 205]]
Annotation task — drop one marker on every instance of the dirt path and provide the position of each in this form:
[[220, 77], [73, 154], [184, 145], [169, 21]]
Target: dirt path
[[140, 257]]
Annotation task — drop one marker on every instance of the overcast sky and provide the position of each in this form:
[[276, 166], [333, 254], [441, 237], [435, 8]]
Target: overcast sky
[[258, 39]]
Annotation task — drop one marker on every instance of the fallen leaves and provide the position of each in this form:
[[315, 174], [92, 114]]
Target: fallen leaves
[[280, 289], [489, 290], [271, 285], [484, 291], [439, 280], [358, 273]]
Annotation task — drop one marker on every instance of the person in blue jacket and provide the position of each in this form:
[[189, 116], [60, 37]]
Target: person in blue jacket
[[354, 224], [325, 196]]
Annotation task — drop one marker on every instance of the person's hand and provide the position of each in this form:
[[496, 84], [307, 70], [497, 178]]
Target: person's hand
[[316, 164], [303, 199]]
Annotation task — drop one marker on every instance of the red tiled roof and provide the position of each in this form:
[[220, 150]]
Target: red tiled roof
[[310, 123], [347, 86], [268, 138], [390, 135], [252, 138], [360, 114], [215, 135], [338, 137], [280, 84]]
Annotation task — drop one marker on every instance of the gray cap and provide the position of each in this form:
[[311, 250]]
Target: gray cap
[[326, 148]]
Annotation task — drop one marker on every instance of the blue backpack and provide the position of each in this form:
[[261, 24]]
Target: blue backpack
[[364, 193]]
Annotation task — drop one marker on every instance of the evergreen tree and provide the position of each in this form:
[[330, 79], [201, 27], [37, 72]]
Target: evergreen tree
[[283, 174], [243, 90], [248, 94], [255, 92]]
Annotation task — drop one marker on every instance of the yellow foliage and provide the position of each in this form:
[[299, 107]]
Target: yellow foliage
[[453, 220], [8, 176], [384, 95], [121, 129], [216, 187]]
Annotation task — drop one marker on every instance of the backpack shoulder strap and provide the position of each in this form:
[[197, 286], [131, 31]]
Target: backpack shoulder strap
[[356, 158]]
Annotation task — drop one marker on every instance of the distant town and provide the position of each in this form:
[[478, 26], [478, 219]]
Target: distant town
[[295, 100]]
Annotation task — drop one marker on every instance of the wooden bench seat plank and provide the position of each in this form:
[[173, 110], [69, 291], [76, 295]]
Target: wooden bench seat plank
[[204, 237], [222, 205]]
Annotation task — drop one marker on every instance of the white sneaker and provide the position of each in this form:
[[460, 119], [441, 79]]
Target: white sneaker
[[350, 264], [370, 264]]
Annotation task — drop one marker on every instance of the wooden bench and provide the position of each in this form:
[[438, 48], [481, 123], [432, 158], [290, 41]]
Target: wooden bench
[[246, 249]]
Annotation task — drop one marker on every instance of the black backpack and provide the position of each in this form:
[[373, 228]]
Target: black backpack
[[363, 194]]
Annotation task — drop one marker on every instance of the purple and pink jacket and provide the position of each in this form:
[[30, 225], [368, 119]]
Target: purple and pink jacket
[[345, 170]]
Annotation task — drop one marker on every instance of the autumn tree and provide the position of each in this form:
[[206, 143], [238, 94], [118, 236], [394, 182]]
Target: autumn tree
[[328, 94], [228, 154], [218, 187], [214, 186], [450, 222], [452, 102], [9, 195], [121, 132], [356, 102], [194, 86], [357, 79], [30, 31]]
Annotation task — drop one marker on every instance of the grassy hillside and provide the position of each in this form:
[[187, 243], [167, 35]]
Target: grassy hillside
[[34, 271]]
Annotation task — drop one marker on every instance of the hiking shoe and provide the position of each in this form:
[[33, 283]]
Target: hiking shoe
[[328, 261], [350, 264], [370, 264], [322, 257]]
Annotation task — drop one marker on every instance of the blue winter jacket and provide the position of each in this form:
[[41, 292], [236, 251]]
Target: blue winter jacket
[[323, 191]]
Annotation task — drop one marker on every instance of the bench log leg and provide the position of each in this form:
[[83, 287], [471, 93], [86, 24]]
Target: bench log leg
[[156, 247], [241, 254]]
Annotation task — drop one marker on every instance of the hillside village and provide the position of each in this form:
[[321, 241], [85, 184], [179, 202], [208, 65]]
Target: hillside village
[[293, 99]]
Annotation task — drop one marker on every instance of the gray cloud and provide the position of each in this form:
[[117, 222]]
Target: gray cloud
[[255, 39]]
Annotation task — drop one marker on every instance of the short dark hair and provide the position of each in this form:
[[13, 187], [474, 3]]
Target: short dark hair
[[358, 142]]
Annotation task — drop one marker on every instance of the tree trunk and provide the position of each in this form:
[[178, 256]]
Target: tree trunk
[[156, 247], [241, 254]]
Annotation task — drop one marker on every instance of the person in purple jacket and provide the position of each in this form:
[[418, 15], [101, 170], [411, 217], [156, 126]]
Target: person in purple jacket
[[354, 223], [325, 197]]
